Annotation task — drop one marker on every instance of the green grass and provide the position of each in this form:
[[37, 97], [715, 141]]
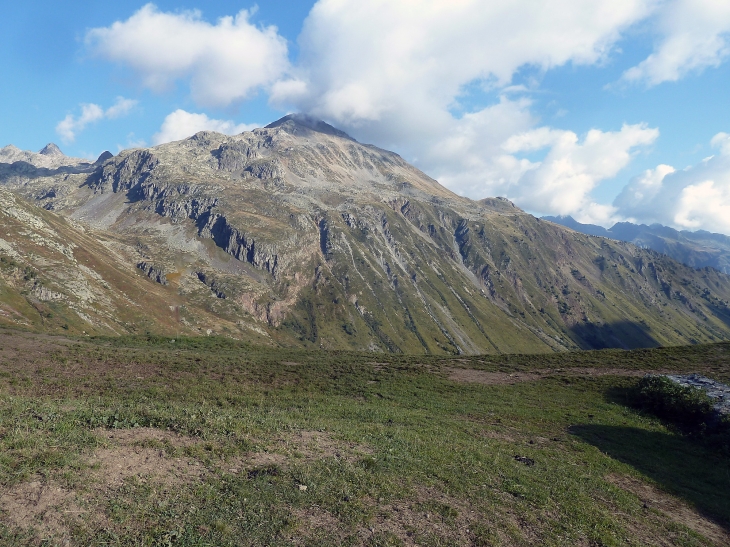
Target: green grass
[[405, 456]]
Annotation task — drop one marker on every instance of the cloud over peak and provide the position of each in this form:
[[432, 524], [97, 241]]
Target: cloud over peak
[[440, 81], [427, 51]]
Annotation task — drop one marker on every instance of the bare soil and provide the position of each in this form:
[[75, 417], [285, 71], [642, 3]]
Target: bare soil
[[429, 514], [48, 510], [43, 507], [28, 345], [300, 445], [127, 454]]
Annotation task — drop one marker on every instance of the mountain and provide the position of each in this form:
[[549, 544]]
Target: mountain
[[697, 249], [297, 234]]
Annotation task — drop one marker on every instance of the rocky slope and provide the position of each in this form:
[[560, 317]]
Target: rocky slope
[[697, 249], [297, 234]]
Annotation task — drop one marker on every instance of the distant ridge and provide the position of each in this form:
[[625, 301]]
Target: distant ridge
[[697, 249]]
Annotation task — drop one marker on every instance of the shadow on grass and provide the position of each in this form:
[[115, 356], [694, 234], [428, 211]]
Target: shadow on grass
[[683, 467], [620, 335]]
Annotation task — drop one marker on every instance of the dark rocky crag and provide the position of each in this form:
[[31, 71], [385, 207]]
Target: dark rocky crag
[[297, 234]]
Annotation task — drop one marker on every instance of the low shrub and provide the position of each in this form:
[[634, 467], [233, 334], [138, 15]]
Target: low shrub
[[687, 407]]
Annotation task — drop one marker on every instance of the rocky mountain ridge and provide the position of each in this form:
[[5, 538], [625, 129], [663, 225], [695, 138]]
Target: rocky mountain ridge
[[297, 234], [698, 249]]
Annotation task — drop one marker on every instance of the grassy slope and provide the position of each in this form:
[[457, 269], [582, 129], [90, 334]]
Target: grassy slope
[[121, 298], [425, 281], [406, 455]]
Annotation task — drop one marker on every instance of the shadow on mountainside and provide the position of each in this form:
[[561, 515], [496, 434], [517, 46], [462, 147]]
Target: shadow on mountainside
[[28, 170], [682, 466], [721, 312], [619, 335]]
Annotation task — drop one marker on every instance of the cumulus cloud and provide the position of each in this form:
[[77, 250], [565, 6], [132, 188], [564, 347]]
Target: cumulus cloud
[[181, 124], [695, 198], [224, 62], [426, 51], [561, 183], [72, 125], [695, 34]]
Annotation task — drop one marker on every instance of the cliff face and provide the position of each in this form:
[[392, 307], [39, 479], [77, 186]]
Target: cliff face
[[297, 234]]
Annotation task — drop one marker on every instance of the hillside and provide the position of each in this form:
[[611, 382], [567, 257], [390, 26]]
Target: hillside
[[697, 249], [296, 234]]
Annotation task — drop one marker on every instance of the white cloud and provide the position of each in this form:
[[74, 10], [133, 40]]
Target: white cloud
[[704, 205], [72, 125], [561, 183], [697, 197], [695, 34], [426, 51], [121, 108], [722, 142], [181, 124], [224, 63]]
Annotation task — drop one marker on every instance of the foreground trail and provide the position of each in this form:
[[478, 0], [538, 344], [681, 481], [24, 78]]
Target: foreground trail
[[208, 441]]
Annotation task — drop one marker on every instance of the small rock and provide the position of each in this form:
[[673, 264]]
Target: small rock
[[302, 488], [524, 459]]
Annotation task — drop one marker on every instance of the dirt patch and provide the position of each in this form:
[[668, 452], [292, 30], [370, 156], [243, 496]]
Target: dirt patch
[[313, 445], [468, 375], [304, 446], [676, 510], [141, 453], [314, 523], [429, 517], [42, 506], [27, 345], [139, 435], [498, 436], [291, 364]]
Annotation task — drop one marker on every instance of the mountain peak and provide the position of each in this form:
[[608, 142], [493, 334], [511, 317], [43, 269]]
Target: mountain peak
[[297, 123], [104, 156], [51, 150]]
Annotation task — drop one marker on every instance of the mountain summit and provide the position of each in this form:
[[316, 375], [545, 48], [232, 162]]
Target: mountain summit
[[296, 234], [302, 122], [51, 150]]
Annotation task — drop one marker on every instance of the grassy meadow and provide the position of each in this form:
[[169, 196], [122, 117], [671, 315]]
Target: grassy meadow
[[206, 441]]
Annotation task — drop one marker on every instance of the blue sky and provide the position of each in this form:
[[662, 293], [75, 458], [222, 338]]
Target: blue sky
[[606, 110]]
